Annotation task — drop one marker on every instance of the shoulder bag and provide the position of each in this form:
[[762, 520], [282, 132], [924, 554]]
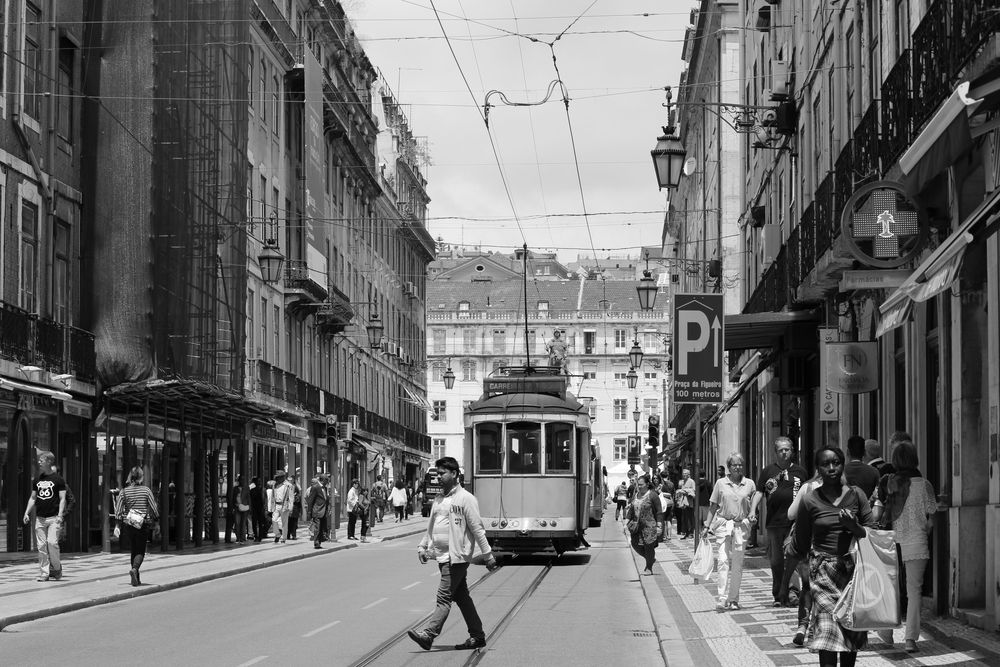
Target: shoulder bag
[[134, 518]]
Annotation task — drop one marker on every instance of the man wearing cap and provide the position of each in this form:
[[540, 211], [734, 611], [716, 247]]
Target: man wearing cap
[[454, 530]]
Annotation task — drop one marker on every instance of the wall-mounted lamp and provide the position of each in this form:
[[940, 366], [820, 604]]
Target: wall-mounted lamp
[[668, 155], [635, 354], [31, 372], [270, 258], [64, 378], [449, 378], [375, 330]]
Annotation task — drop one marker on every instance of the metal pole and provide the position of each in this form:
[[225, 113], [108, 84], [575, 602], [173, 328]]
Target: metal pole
[[695, 466]]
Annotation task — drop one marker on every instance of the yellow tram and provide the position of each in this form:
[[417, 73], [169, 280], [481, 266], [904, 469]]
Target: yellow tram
[[530, 462]]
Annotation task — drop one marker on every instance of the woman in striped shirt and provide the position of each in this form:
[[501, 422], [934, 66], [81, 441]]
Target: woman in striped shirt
[[136, 496]]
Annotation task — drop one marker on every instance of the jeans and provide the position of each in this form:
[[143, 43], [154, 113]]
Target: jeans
[[399, 510], [241, 526], [782, 568], [380, 510], [47, 536], [915, 570], [620, 508], [137, 538], [352, 522], [730, 543], [453, 588]]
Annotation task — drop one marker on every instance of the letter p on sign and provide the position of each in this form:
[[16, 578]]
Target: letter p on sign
[[694, 343]]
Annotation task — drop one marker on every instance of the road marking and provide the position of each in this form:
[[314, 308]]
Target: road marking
[[406, 588], [259, 658], [369, 606], [320, 629]]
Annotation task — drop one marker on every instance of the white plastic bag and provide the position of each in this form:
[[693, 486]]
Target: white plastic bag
[[870, 600], [704, 560]]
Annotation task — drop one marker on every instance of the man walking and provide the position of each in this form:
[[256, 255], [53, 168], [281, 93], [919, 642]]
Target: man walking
[[779, 482], [379, 495], [283, 496], [858, 472], [454, 529], [48, 499], [352, 508], [873, 452], [317, 506]]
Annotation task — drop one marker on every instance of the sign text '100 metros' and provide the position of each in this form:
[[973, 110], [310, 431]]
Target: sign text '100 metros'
[[698, 348]]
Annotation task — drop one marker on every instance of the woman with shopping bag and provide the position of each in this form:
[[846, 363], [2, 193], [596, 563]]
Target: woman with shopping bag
[[905, 502], [828, 522], [729, 520], [644, 520]]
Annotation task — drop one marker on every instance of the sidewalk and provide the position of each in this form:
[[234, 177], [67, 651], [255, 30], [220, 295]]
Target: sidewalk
[[692, 632], [94, 579]]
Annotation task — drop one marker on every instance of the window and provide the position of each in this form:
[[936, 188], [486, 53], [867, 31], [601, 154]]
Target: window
[[650, 407], [262, 90], [818, 137], [497, 365], [558, 448], [274, 103], [263, 329], [64, 88], [60, 269], [848, 74], [463, 308], [275, 322], [620, 449], [437, 448], [543, 308], [620, 406], [29, 256], [250, 79], [589, 342], [650, 341], [499, 341], [902, 26], [251, 324], [440, 409], [437, 371], [592, 411], [621, 339], [469, 340], [32, 86], [468, 370], [438, 337], [621, 376], [488, 442], [523, 448], [874, 61], [649, 375], [589, 375]]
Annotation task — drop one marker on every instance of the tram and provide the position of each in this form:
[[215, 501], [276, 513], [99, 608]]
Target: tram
[[530, 462]]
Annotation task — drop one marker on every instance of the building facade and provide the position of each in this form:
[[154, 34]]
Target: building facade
[[871, 252], [47, 373], [476, 326]]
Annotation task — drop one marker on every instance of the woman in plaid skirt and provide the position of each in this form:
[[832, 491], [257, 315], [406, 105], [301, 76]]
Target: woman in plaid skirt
[[828, 521]]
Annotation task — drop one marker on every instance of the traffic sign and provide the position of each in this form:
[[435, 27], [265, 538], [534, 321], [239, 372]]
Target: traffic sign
[[698, 334]]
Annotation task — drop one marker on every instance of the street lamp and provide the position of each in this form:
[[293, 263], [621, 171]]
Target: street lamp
[[270, 258], [449, 378], [635, 354], [637, 415], [668, 155], [646, 288], [375, 330], [632, 378]]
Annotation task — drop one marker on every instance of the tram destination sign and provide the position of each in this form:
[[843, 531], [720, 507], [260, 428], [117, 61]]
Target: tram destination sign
[[698, 334]]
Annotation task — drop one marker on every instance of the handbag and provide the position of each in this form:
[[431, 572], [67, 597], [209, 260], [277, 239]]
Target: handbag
[[631, 522], [870, 601], [134, 518], [243, 508], [704, 560]]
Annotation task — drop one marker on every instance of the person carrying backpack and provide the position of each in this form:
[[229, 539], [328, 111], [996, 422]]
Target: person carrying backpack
[[379, 494]]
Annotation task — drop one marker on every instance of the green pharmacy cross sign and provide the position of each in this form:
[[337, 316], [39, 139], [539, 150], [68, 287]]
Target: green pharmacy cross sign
[[883, 226]]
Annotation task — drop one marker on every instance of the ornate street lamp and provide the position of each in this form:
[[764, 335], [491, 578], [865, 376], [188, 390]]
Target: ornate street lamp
[[669, 153], [632, 378], [270, 258], [637, 415], [646, 288], [375, 330], [449, 378], [635, 354]]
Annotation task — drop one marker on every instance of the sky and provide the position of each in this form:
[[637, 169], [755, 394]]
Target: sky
[[614, 60]]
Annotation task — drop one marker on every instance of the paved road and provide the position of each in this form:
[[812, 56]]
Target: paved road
[[338, 607]]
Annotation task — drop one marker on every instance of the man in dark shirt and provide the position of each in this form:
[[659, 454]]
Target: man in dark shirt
[[779, 482], [858, 472], [48, 499]]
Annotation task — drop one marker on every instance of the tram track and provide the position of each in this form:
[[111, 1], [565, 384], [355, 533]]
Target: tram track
[[476, 656]]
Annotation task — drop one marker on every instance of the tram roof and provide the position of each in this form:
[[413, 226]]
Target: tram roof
[[522, 402]]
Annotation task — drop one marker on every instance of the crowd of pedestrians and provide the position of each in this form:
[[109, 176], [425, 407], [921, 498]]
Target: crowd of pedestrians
[[810, 524]]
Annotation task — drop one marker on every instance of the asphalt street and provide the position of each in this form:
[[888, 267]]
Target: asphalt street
[[340, 606]]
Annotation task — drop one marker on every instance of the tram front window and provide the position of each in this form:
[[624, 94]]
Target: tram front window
[[523, 449], [558, 449], [490, 460]]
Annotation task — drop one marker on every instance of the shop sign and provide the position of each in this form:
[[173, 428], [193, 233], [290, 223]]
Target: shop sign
[[851, 368], [829, 400], [883, 226], [873, 279], [76, 408]]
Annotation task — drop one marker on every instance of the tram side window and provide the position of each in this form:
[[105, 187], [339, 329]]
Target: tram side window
[[490, 458], [523, 449], [558, 448]]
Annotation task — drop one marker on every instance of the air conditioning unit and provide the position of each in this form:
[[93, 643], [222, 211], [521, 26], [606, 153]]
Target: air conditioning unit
[[354, 421], [409, 289], [399, 352], [771, 243], [344, 431], [786, 118], [758, 216], [779, 81]]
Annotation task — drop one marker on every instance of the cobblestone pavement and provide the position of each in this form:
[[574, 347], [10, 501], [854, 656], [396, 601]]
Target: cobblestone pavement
[[760, 634]]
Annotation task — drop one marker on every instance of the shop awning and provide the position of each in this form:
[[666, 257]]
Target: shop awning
[[415, 399], [682, 418], [747, 331], [939, 269], [944, 139], [762, 365], [366, 444], [34, 389]]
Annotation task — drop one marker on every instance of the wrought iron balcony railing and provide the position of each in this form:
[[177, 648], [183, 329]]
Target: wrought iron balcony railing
[[931, 62], [897, 110], [866, 145], [807, 241], [824, 214], [28, 339]]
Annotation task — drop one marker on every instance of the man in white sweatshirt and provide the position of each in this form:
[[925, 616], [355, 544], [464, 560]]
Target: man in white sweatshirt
[[454, 529]]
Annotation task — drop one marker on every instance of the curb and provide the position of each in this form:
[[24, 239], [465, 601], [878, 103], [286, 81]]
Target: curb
[[55, 610]]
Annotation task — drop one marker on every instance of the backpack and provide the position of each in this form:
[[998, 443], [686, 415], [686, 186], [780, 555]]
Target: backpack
[[70, 500], [378, 492]]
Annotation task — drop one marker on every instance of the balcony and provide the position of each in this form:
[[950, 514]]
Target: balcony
[[334, 314], [931, 48], [302, 286], [843, 182], [897, 110], [824, 214], [38, 341], [771, 293], [867, 146]]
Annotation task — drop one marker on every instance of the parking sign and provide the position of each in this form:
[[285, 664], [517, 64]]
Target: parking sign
[[698, 334]]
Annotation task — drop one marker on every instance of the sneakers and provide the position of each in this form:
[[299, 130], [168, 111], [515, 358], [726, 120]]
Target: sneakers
[[56, 574], [733, 605], [422, 639], [471, 643], [910, 646], [800, 636], [134, 576], [42, 578]]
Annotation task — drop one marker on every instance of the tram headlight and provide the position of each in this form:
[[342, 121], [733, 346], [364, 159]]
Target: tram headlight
[[503, 523], [494, 524], [553, 523], [543, 523]]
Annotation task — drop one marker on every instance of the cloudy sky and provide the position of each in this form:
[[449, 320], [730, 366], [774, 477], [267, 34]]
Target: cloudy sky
[[614, 59]]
